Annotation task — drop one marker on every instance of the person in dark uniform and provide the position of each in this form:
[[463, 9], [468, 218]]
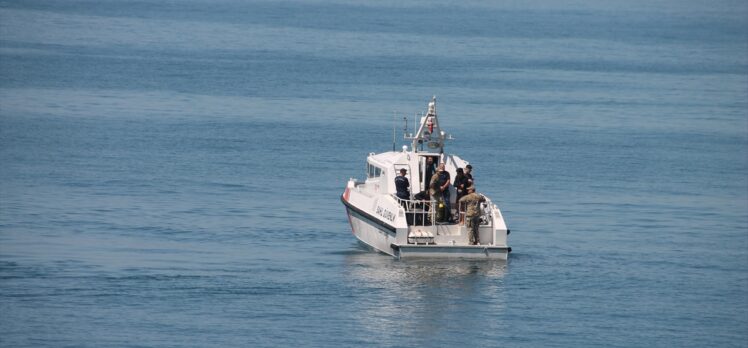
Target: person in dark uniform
[[430, 169], [461, 184], [469, 175], [421, 206], [442, 180], [402, 185]]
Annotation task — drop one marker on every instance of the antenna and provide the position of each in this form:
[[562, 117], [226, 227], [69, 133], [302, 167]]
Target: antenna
[[415, 127], [394, 119], [405, 127], [415, 122]]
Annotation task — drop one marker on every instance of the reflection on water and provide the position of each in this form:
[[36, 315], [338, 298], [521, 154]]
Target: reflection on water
[[372, 266], [418, 298]]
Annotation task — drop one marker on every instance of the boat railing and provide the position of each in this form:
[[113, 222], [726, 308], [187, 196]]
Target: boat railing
[[422, 212], [418, 212]]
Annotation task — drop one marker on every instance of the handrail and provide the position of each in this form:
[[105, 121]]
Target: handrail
[[423, 217], [410, 204], [417, 212]]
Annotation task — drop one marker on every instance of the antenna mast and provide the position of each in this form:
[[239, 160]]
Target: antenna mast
[[429, 133], [394, 119]]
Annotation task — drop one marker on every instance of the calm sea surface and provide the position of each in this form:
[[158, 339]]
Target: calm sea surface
[[170, 172]]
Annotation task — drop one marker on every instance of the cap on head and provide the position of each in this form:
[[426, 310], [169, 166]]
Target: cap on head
[[469, 167]]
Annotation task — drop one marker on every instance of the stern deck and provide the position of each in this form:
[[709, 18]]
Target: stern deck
[[462, 251]]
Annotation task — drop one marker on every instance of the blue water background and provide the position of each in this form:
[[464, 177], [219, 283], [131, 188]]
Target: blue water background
[[170, 171]]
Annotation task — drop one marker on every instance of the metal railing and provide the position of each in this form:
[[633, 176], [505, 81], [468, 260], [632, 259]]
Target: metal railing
[[422, 212], [418, 212]]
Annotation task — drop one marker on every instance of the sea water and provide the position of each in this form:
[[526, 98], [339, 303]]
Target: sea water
[[171, 171]]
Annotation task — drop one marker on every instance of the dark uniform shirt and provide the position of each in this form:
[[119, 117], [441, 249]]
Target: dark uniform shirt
[[403, 187], [441, 178], [461, 180], [461, 184], [430, 170]]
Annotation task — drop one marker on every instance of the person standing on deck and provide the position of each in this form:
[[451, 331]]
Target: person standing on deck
[[472, 216], [402, 185], [442, 179], [430, 169], [436, 196], [469, 175], [461, 184]]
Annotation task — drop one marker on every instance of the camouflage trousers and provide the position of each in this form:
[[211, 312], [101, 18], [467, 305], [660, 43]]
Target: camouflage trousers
[[473, 223]]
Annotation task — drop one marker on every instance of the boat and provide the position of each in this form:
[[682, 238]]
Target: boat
[[412, 227]]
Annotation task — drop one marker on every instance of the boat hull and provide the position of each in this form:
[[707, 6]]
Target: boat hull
[[382, 237], [371, 231]]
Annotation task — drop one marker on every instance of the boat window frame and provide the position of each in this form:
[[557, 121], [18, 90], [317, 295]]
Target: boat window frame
[[422, 168], [373, 171]]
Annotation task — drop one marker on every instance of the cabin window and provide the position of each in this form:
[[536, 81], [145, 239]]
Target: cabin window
[[373, 171]]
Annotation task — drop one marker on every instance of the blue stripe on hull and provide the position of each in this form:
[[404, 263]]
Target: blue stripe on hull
[[371, 220]]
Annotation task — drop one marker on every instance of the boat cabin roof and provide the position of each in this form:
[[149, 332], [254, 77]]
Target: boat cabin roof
[[391, 162]]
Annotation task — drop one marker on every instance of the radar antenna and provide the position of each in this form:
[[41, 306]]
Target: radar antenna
[[429, 132]]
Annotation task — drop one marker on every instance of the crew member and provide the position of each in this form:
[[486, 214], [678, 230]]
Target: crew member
[[461, 184], [402, 185], [469, 174], [442, 179], [430, 169], [472, 216]]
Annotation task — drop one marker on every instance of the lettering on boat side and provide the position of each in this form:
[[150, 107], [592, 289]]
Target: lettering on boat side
[[385, 213]]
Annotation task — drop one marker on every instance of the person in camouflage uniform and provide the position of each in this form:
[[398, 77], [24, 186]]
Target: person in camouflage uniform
[[472, 214], [438, 199]]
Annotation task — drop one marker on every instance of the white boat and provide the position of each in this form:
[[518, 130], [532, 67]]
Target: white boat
[[407, 228]]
